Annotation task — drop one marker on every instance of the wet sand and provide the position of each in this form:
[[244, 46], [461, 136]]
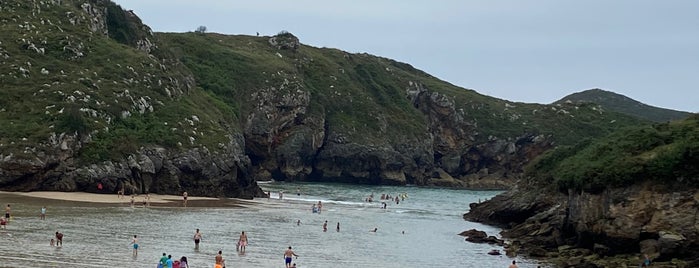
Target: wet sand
[[92, 199]]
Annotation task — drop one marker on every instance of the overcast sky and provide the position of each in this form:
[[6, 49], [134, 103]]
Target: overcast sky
[[525, 51]]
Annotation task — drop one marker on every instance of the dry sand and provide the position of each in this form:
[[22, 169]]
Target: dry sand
[[106, 199]]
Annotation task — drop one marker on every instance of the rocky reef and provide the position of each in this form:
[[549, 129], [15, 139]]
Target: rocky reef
[[612, 228]]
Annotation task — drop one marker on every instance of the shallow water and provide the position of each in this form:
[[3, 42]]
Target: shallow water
[[99, 235]]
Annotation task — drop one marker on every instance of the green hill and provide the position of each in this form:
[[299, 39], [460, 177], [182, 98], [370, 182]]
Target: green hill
[[665, 153], [619, 103], [90, 94]]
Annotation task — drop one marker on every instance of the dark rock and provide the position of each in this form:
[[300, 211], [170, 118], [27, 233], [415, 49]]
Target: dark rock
[[615, 221]]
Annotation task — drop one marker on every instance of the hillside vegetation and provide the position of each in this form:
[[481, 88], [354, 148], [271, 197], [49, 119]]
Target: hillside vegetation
[[90, 93], [355, 89], [666, 153], [619, 103], [63, 72]]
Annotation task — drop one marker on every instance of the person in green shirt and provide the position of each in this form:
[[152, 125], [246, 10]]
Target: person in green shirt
[[163, 260]]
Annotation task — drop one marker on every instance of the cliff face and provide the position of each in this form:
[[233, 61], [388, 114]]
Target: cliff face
[[630, 193], [288, 142], [82, 84], [639, 219], [91, 95]]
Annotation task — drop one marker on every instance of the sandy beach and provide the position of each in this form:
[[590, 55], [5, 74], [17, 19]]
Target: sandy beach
[[156, 200]]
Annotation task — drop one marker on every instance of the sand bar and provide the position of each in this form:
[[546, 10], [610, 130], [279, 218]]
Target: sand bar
[[106, 199]]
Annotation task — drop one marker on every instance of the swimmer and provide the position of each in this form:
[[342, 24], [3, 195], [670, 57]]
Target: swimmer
[[287, 257], [134, 242], [242, 242], [59, 239], [43, 213], [374, 231], [513, 265], [219, 260], [197, 239]]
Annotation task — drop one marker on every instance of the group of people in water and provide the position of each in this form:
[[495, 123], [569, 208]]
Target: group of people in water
[[56, 240], [387, 197]]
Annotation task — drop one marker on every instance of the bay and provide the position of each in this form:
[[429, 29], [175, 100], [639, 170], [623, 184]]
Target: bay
[[420, 231]]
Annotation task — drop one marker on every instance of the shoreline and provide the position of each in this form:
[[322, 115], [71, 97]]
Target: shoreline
[[156, 200]]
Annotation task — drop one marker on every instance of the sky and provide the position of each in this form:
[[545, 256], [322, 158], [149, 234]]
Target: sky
[[523, 51]]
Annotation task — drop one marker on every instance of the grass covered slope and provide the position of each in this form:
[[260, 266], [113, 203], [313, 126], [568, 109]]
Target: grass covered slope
[[667, 153], [622, 104], [92, 69], [365, 96]]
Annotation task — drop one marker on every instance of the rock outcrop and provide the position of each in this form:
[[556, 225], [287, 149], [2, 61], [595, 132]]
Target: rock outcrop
[[222, 173], [642, 219], [287, 142]]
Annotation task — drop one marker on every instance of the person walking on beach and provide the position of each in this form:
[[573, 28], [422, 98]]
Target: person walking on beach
[[513, 265], [242, 242], [197, 239], [43, 213], [184, 199], [134, 242], [59, 239], [219, 260], [287, 257]]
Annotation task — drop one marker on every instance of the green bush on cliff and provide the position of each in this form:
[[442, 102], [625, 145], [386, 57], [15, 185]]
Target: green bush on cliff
[[665, 153]]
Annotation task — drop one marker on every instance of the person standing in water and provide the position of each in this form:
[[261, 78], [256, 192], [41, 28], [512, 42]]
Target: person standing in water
[[287, 257], [219, 260], [338, 226], [242, 242], [134, 242], [513, 265], [325, 226], [197, 239], [43, 213], [184, 197], [8, 210], [320, 207], [59, 239]]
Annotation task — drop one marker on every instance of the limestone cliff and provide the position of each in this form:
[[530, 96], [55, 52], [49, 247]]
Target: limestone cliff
[[91, 95], [629, 221], [598, 205]]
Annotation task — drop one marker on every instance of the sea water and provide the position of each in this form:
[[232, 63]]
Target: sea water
[[420, 231]]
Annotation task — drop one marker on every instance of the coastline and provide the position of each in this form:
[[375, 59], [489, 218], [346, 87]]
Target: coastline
[[156, 200]]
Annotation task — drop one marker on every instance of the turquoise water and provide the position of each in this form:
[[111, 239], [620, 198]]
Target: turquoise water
[[421, 231]]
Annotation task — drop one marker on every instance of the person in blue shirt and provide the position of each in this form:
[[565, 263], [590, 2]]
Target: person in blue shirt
[[168, 262]]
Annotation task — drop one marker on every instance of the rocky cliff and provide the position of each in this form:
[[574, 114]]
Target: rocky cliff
[[91, 95], [591, 226], [607, 229], [78, 73]]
